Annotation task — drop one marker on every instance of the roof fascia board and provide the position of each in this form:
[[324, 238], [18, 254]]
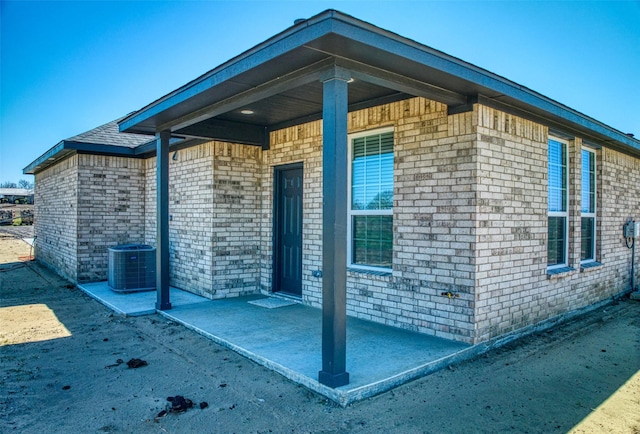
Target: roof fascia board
[[421, 54], [352, 28], [429, 57], [63, 148], [145, 149], [294, 37], [51, 153], [571, 124], [99, 148]]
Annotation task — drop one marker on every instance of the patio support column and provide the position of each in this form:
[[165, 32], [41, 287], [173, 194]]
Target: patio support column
[[162, 220], [334, 229]]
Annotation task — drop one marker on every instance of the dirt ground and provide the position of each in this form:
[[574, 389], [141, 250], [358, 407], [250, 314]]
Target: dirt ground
[[63, 370]]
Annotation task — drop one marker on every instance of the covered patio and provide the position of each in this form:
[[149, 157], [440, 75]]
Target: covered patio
[[258, 327], [326, 68], [321, 68]]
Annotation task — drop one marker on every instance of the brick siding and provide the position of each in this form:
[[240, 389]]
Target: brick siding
[[56, 217], [236, 219], [511, 224], [110, 210], [470, 220], [214, 230], [433, 218], [86, 204]]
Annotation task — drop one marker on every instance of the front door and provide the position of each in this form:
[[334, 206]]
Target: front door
[[287, 225]]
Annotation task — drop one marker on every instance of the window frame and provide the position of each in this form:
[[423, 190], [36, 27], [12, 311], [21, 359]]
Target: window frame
[[563, 214], [592, 214], [351, 212]]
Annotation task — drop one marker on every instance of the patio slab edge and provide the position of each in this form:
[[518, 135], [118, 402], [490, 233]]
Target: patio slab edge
[[115, 308], [345, 396], [333, 394], [342, 396]]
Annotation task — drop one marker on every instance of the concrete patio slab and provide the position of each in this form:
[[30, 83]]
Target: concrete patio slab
[[135, 303], [288, 340]]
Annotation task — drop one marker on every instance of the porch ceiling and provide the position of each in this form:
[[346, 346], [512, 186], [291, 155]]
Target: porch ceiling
[[280, 80]]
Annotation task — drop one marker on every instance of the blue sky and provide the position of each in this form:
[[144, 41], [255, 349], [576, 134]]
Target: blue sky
[[67, 67]]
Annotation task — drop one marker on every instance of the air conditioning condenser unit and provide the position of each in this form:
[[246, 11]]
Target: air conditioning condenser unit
[[132, 268]]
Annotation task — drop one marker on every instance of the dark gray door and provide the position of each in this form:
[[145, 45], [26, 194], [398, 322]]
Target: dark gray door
[[287, 224]]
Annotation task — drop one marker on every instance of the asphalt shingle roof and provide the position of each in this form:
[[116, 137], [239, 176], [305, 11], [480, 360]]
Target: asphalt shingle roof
[[105, 140], [109, 134]]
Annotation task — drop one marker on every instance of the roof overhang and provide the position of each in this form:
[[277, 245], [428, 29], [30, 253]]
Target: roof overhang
[[280, 82], [67, 148]]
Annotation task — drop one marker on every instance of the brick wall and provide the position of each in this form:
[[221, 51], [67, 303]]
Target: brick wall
[[188, 178], [511, 226], [110, 210], [513, 289], [433, 218], [55, 217], [618, 181], [190, 211], [236, 219], [470, 220], [214, 230], [434, 213], [150, 201]]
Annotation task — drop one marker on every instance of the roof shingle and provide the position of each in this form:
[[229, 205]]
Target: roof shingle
[[110, 135]]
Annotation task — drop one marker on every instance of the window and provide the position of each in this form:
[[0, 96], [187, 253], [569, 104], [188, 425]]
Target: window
[[370, 228], [588, 209], [558, 205]]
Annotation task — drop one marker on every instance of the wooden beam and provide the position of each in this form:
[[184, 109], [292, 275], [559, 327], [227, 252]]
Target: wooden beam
[[401, 83], [228, 131]]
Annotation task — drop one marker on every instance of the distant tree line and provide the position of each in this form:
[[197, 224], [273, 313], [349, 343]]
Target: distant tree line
[[23, 183]]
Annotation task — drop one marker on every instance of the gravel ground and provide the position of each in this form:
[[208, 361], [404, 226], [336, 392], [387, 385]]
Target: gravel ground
[[63, 369]]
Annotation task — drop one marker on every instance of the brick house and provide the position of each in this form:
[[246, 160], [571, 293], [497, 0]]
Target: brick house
[[363, 173]]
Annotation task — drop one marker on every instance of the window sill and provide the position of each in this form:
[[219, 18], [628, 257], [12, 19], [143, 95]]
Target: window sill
[[371, 272], [559, 272], [587, 266]]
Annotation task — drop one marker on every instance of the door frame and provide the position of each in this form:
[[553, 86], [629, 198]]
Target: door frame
[[275, 232]]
